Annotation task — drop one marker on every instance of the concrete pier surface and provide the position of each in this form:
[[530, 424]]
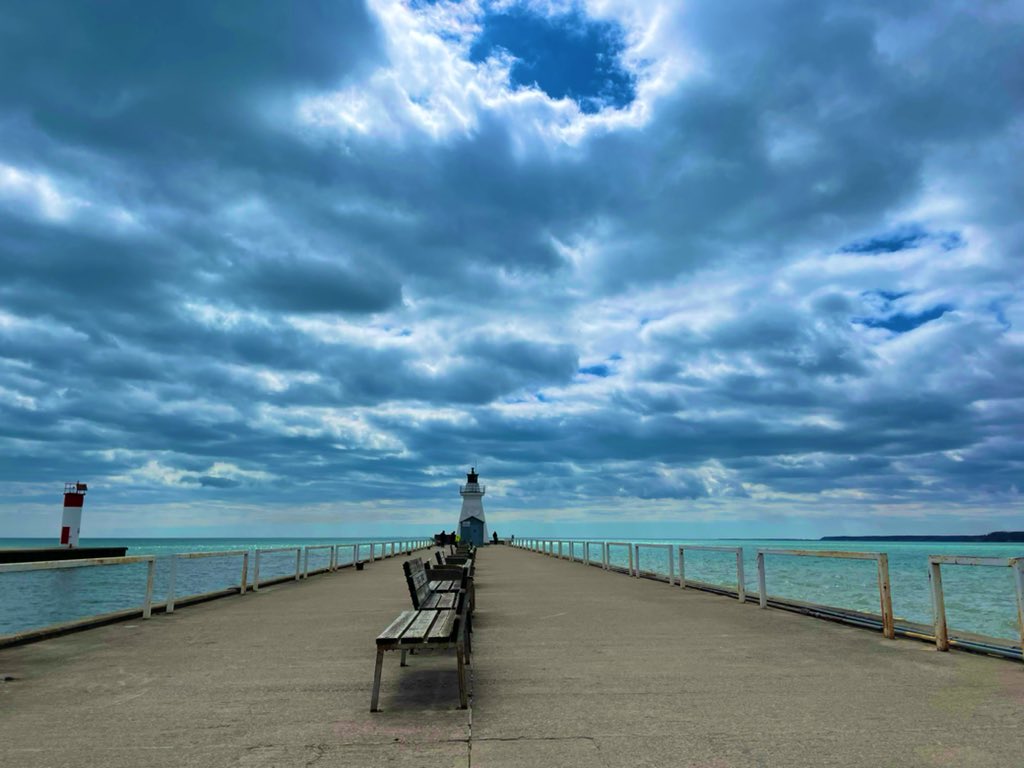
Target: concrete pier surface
[[572, 666]]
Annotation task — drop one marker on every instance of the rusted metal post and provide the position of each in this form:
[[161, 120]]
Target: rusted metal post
[[741, 586], [761, 586], [885, 596], [147, 606], [256, 573], [245, 573], [682, 569], [938, 606], [170, 585]]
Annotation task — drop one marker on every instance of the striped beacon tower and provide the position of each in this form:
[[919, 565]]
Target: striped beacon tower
[[71, 521]]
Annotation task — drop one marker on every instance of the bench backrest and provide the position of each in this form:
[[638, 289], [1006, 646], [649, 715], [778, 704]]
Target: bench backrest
[[416, 579]]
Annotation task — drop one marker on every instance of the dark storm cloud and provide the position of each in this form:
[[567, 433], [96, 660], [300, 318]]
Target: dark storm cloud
[[789, 270]]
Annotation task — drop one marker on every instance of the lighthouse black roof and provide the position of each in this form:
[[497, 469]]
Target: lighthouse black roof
[[472, 476]]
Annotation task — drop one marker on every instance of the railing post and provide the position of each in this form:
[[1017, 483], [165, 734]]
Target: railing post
[[671, 565], [586, 553], [334, 553], [245, 573], [256, 573], [560, 550], [170, 585], [298, 562], [885, 596], [606, 556], [629, 548], [741, 587], [938, 607], [1018, 572], [147, 606], [305, 564], [682, 569], [355, 555], [762, 586]]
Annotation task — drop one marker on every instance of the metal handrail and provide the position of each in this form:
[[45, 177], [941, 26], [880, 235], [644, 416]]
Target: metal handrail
[[406, 545], [741, 589], [666, 547], [884, 590], [938, 598], [46, 565], [169, 606]]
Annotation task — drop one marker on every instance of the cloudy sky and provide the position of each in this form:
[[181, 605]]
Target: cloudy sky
[[697, 268]]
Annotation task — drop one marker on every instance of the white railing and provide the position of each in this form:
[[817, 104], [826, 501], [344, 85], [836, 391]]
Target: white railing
[[169, 606], [668, 552], [50, 565], [882, 560], [387, 549], [939, 601], [887, 623], [741, 589]]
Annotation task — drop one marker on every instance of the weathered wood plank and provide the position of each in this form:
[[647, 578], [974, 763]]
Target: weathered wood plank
[[396, 627], [420, 626], [446, 600], [431, 601], [442, 629]]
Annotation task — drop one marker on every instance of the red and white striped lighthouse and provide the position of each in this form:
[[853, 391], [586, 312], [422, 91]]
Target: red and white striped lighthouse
[[71, 521]]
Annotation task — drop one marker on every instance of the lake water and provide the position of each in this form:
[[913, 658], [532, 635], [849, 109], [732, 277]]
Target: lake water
[[978, 599]]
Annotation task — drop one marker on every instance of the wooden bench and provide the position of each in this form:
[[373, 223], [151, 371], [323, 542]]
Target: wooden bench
[[425, 629], [439, 590]]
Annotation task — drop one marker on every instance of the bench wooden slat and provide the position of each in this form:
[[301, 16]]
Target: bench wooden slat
[[446, 600], [442, 629], [397, 627], [420, 626], [432, 601]]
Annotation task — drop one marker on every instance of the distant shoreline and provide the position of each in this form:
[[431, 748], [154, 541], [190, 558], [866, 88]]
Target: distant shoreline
[[994, 537]]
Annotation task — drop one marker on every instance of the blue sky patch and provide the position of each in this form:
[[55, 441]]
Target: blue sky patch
[[900, 239], [601, 370], [902, 322], [566, 56]]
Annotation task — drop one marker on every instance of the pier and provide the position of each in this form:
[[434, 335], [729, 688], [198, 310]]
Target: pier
[[572, 666]]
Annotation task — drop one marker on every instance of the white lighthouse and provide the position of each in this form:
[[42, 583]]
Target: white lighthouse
[[472, 525], [71, 520]]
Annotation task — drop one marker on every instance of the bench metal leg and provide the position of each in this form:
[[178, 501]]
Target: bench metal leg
[[403, 659], [376, 681], [463, 696]]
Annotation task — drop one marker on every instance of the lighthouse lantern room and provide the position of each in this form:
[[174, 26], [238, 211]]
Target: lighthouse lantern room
[[71, 521], [472, 525]]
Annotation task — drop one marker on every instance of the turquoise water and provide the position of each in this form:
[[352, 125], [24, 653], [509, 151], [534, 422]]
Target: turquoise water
[[978, 599], [34, 599]]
